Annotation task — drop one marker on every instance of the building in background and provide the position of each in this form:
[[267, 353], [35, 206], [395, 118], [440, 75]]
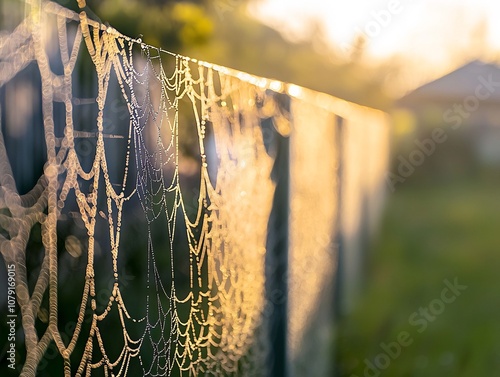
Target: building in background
[[466, 105]]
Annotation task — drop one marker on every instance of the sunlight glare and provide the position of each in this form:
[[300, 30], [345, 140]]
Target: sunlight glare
[[438, 31]]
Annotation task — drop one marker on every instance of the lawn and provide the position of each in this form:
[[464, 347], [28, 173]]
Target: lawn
[[433, 235]]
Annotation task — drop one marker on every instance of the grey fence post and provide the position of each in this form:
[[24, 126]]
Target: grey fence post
[[277, 252], [339, 237]]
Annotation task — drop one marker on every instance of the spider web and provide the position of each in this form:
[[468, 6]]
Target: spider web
[[160, 163], [327, 216]]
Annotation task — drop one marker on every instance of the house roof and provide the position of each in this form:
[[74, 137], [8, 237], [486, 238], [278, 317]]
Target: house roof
[[456, 85]]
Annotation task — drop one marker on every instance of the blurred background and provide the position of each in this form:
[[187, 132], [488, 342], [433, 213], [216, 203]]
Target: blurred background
[[434, 66]]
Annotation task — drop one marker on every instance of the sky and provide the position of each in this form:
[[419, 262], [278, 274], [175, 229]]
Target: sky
[[433, 36]]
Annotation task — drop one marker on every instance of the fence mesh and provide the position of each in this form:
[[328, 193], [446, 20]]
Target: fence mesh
[[167, 216]]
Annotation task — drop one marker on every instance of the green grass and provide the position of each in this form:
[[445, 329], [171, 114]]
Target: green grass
[[431, 232]]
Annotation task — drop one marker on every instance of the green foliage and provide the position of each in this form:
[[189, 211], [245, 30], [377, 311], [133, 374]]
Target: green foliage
[[169, 24], [431, 232]]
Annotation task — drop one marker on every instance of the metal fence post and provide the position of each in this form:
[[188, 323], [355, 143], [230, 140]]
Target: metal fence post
[[277, 253], [339, 278]]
